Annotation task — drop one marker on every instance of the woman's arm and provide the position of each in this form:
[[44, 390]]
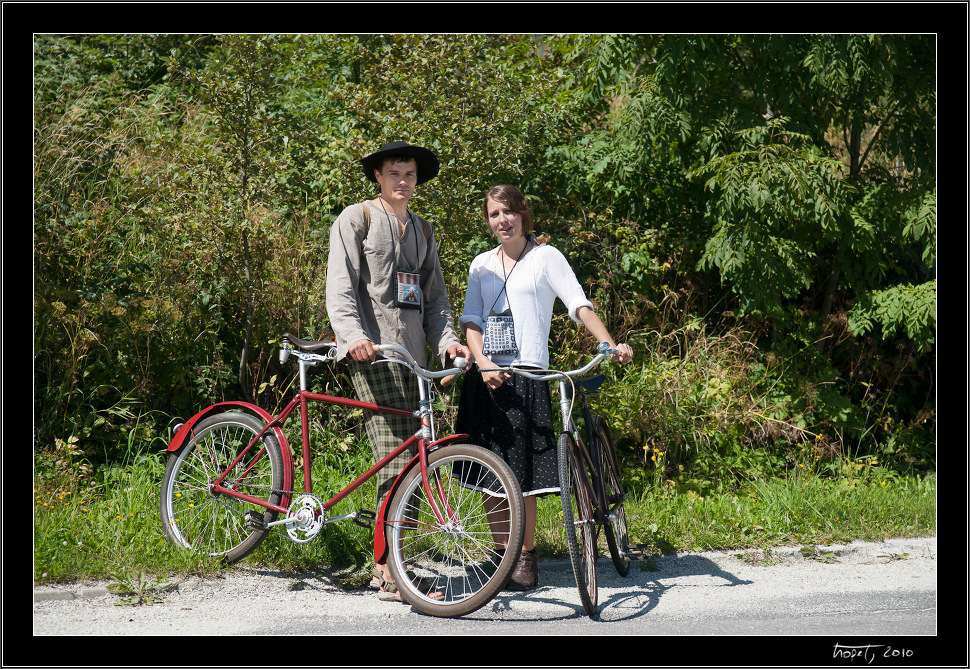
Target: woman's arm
[[598, 330]]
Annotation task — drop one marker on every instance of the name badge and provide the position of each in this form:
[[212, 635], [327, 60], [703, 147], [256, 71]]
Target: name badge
[[407, 294]]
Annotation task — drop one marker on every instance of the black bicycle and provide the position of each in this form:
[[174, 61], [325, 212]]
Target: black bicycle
[[590, 480]]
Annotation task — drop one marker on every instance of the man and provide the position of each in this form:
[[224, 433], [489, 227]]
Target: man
[[385, 286]]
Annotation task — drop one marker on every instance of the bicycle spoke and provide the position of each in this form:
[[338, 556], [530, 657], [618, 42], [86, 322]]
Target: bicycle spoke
[[615, 527]]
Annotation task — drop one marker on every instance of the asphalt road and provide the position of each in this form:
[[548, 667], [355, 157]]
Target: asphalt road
[[838, 600]]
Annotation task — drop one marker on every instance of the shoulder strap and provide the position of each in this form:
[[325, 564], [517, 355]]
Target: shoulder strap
[[363, 205], [426, 226]]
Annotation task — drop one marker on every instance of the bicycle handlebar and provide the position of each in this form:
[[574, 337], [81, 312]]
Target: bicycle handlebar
[[409, 360], [309, 347], [555, 374]]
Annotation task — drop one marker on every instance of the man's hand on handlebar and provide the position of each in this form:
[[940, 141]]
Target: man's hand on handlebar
[[456, 351], [362, 350]]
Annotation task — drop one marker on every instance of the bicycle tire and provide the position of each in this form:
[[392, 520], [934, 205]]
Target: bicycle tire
[[615, 529], [195, 518], [451, 569], [578, 521]]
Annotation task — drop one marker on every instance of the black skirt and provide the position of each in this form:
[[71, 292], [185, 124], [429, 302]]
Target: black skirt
[[514, 421]]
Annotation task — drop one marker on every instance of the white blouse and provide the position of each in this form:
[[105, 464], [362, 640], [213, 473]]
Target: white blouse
[[533, 285]]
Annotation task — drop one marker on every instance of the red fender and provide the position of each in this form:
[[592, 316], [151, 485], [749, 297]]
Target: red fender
[[186, 429], [380, 540]]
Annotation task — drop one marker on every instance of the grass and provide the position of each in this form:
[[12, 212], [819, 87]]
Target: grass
[[769, 513], [107, 527]]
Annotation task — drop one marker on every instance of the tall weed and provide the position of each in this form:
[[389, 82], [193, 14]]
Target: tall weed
[[687, 402]]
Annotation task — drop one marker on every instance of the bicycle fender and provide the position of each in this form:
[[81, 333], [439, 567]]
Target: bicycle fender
[[183, 432], [179, 439], [380, 539]]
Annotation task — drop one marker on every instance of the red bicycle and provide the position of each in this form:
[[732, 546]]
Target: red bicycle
[[229, 482]]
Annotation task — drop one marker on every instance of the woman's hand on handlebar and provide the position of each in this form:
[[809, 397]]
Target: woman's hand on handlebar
[[494, 379], [622, 353]]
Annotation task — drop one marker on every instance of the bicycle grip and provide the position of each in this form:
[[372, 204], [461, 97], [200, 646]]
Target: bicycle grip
[[459, 363]]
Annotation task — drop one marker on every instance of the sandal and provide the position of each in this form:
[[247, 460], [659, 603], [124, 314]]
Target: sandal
[[389, 592]]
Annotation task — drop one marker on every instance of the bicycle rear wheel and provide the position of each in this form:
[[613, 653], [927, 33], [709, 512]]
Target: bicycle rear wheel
[[578, 521], [616, 533], [449, 566], [192, 515]]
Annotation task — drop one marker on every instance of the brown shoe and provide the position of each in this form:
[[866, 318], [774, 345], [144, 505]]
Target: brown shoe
[[525, 576]]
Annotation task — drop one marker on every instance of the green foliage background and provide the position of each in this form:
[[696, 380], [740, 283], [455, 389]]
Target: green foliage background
[[756, 215]]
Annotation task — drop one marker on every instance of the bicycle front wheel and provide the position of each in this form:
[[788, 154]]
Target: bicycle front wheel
[[443, 551], [195, 517], [617, 539], [578, 521]]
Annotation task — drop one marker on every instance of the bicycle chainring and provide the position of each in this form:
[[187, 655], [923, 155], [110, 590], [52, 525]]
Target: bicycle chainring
[[307, 514]]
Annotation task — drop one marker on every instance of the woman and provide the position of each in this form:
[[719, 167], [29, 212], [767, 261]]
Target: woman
[[506, 320]]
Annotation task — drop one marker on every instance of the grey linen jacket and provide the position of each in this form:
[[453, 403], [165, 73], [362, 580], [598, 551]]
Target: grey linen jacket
[[360, 285]]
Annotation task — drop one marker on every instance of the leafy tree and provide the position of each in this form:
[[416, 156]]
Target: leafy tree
[[776, 190], [481, 102], [102, 337], [238, 89], [798, 168]]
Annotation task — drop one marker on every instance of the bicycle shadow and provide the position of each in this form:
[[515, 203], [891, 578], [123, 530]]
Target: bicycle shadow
[[626, 598], [647, 587]]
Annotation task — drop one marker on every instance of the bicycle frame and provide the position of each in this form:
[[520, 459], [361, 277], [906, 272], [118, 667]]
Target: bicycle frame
[[424, 439], [566, 411]]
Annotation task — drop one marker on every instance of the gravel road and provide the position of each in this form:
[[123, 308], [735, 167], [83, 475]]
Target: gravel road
[[886, 588]]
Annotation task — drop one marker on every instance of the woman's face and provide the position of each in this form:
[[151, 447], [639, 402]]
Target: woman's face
[[505, 223]]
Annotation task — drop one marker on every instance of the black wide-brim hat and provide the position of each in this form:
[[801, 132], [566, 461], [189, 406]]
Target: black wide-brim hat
[[427, 161]]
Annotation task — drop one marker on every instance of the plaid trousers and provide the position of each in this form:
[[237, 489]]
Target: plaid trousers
[[392, 385]]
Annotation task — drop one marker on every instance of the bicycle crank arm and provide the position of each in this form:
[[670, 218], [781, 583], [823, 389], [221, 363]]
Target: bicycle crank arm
[[580, 523], [284, 521], [347, 516], [256, 523]]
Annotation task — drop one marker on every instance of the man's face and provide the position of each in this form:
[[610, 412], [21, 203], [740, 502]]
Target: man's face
[[398, 180]]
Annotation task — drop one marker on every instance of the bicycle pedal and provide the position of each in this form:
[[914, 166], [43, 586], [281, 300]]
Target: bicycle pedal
[[254, 520], [637, 552], [365, 517]]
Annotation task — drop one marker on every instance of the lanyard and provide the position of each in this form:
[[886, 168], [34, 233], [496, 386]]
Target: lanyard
[[506, 276]]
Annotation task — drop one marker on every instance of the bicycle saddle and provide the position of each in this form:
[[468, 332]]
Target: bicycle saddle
[[308, 345], [589, 385]]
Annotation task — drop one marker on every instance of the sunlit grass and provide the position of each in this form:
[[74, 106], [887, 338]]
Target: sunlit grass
[[109, 528]]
